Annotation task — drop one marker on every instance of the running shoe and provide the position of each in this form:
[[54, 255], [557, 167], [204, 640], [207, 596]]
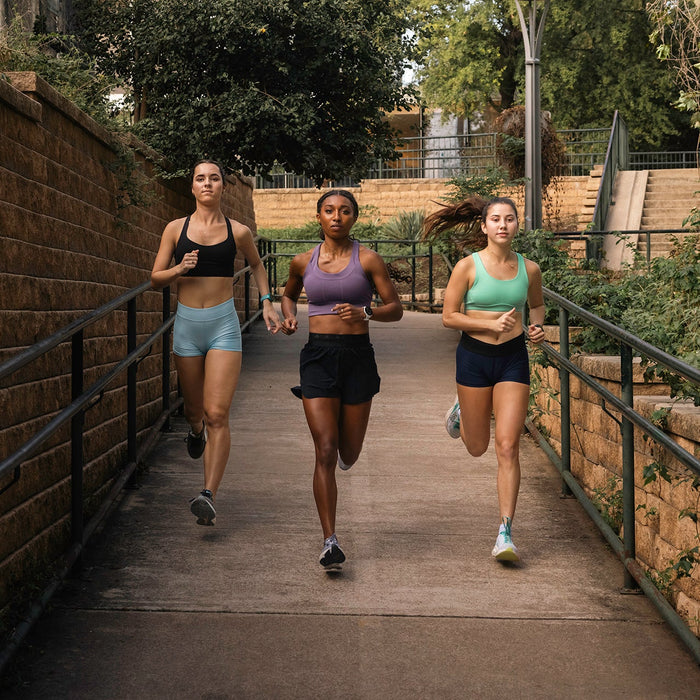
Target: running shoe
[[296, 390], [332, 556], [342, 464], [196, 443], [504, 549], [452, 418], [203, 507]]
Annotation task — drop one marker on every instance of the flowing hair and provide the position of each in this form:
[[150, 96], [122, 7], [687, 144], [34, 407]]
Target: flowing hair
[[465, 218]]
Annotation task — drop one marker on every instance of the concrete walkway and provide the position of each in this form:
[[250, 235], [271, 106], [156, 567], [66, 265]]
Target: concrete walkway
[[168, 609]]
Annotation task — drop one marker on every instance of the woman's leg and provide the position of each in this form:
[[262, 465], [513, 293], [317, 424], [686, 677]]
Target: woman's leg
[[322, 416], [222, 370], [510, 400], [352, 429], [190, 372], [475, 406]]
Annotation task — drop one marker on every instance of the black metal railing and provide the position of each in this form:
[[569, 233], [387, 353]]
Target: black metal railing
[[430, 157], [83, 399], [625, 548], [392, 250]]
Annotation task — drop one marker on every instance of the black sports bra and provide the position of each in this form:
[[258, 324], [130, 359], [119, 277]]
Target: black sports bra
[[213, 260]]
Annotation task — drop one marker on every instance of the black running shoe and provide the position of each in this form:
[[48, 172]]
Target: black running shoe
[[203, 507], [196, 443], [332, 555], [296, 390]]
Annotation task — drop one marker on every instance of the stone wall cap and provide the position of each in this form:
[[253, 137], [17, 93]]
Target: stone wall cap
[[22, 103]]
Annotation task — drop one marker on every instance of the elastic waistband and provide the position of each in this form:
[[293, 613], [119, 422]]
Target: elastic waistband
[[339, 340], [492, 350], [206, 314]]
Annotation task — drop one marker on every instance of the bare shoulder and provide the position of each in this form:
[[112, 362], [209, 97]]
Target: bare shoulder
[[300, 261], [240, 231], [465, 265], [370, 259], [531, 267]]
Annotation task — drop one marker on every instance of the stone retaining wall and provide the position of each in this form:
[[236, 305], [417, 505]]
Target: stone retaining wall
[[69, 243], [381, 200], [596, 462]]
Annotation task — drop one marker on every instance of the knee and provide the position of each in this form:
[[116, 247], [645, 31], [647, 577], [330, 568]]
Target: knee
[[507, 450], [216, 418], [326, 454]]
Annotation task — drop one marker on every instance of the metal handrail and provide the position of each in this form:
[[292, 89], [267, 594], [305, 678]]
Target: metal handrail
[[635, 576], [82, 401]]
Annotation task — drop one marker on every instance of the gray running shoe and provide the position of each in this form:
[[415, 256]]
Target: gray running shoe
[[332, 556], [203, 507]]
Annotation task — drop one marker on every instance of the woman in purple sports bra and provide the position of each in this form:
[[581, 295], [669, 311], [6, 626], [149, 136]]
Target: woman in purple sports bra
[[485, 300], [337, 367], [207, 336]]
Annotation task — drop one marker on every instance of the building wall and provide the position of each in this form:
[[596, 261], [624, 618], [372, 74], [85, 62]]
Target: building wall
[[71, 241]]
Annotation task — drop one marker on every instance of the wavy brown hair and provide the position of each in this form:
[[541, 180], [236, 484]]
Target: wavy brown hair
[[464, 219]]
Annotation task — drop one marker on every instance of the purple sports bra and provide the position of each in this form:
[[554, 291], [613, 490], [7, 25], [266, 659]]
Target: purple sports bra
[[326, 289]]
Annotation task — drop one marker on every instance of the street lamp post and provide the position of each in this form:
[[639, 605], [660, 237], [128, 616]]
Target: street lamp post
[[532, 38]]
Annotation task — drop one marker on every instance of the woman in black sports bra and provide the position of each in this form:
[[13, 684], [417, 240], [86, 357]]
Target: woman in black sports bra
[[207, 336]]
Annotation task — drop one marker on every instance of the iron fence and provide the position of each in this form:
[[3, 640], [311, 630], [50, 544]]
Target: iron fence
[[432, 157]]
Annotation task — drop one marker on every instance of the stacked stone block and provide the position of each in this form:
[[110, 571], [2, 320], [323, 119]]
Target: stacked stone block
[[70, 241]]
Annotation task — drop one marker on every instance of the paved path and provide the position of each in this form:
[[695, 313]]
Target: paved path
[[167, 609]]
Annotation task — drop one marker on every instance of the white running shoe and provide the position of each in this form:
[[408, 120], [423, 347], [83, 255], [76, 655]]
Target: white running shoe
[[452, 418], [342, 464], [504, 549]]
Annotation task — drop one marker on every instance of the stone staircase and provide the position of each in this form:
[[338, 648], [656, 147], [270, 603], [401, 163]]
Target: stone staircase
[[669, 197]]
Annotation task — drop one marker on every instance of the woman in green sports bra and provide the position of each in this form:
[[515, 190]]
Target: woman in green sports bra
[[485, 300]]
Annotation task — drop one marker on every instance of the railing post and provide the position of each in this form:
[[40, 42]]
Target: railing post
[[413, 269], [131, 388], [627, 428], [431, 296], [565, 399], [246, 291], [165, 362], [76, 443]]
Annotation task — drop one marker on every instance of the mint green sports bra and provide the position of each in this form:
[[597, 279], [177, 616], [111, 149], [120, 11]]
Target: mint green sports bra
[[489, 294]]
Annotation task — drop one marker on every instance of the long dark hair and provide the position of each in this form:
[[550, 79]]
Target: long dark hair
[[465, 217]]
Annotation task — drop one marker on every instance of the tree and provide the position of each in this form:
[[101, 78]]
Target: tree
[[596, 57], [471, 53], [676, 33], [303, 84]]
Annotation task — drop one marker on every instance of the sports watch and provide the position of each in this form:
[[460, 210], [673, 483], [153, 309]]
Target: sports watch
[[368, 312]]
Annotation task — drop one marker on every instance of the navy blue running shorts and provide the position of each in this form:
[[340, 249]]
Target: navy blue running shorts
[[482, 364], [339, 366]]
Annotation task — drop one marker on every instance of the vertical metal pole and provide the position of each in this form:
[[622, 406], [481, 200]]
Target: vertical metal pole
[[430, 278], [246, 291], [532, 39], [131, 387], [627, 427], [76, 442], [413, 270], [165, 362], [565, 398]]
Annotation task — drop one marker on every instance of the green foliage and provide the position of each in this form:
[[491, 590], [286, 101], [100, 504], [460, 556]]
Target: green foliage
[[407, 226], [306, 85], [608, 500], [595, 58], [63, 65]]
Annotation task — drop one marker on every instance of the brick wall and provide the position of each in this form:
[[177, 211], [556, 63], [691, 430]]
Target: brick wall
[[596, 458], [68, 244], [381, 200]]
